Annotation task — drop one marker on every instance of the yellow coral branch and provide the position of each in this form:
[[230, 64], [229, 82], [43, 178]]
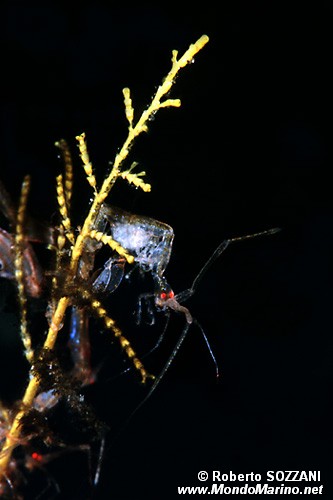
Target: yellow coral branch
[[87, 165], [176, 103], [133, 132], [68, 182], [65, 220], [19, 268], [88, 226], [110, 324], [129, 111], [141, 125], [135, 178]]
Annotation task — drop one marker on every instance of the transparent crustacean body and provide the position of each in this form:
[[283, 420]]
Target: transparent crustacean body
[[148, 240], [32, 270]]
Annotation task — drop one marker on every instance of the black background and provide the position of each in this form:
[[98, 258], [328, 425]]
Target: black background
[[250, 149]]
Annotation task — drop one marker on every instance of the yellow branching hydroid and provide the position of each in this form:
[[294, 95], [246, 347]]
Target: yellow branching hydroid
[[19, 268], [86, 161], [63, 209], [135, 178], [78, 244], [68, 177], [110, 324]]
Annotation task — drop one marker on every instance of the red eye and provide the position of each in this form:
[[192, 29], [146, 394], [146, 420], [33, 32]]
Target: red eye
[[171, 294], [36, 456], [163, 295]]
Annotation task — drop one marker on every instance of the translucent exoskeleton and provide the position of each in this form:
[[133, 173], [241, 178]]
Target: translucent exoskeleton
[[32, 269], [150, 242]]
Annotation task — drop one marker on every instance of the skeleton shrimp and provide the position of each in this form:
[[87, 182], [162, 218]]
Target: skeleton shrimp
[[150, 242]]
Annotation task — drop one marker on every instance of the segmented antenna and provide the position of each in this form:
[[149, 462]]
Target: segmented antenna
[[255, 235]]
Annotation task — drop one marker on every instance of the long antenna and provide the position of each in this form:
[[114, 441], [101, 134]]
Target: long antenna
[[186, 294]]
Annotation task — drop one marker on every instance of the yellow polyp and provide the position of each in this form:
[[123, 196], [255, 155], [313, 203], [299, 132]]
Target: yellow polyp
[[176, 103], [137, 363], [95, 304], [116, 331], [81, 138], [192, 51], [61, 240], [19, 237], [96, 235], [68, 186], [101, 312], [143, 372], [92, 182], [109, 323], [88, 169], [130, 353], [18, 273], [135, 179], [129, 111], [174, 56]]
